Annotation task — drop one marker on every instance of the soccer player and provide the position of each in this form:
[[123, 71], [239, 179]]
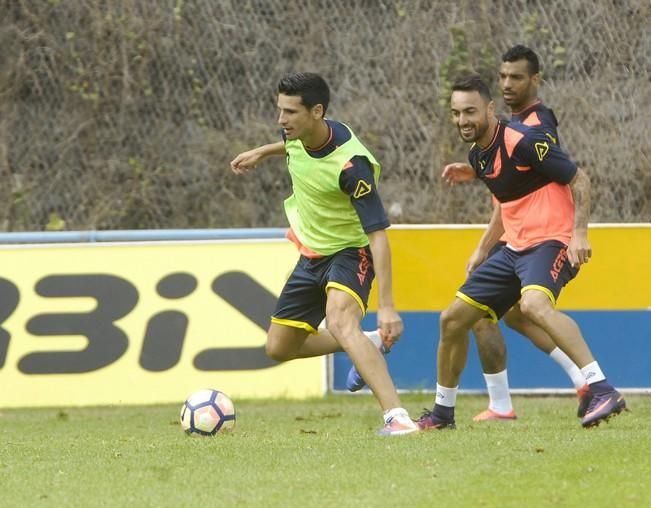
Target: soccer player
[[543, 203], [519, 81], [338, 223]]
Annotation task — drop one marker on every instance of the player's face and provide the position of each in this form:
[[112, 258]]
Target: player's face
[[471, 113], [297, 121], [519, 88]]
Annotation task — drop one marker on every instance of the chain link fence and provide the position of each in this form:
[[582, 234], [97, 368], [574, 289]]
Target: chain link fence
[[124, 114]]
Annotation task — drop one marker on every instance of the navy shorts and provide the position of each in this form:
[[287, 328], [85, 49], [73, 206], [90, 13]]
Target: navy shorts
[[302, 302], [496, 285]]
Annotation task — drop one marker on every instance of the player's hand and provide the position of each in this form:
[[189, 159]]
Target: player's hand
[[246, 161], [476, 259], [579, 250], [389, 325], [458, 172]]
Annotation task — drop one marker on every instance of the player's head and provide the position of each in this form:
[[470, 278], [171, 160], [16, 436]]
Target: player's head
[[473, 109], [519, 77], [303, 99]]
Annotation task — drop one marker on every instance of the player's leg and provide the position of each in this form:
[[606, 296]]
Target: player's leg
[[490, 290], [354, 380], [515, 320], [492, 355], [456, 321], [294, 331], [342, 319], [284, 342], [343, 315], [544, 271], [347, 296]]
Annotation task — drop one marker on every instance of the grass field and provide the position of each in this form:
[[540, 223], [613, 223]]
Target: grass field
[[324, 453]]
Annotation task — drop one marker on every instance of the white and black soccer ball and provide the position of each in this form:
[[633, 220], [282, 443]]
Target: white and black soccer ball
[[207, 412]]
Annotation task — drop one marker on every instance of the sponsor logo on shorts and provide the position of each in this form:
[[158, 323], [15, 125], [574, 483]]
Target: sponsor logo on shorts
[[362, 268], [558, 264]]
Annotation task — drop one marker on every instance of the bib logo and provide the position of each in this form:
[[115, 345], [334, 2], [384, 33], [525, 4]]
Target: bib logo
[[115, 297], [362, 189], [541, 150]]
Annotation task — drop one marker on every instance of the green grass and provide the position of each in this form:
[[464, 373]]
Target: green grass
[[324, 453]]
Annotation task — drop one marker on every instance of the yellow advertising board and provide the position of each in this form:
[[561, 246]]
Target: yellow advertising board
[[94, 324], [429, 266], [133, 323]]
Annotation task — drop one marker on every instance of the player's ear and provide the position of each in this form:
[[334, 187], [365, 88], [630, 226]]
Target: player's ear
[[317, 111], [536, 78], [490, 108]]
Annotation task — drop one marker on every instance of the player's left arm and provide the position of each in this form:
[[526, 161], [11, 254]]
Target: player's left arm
[[579, 249], [357, 181], [548, 159]]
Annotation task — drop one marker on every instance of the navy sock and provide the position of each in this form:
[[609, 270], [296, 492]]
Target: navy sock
[[444, 412], [601, 387]]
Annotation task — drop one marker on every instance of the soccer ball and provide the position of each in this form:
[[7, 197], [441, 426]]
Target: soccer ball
[[206, 412]]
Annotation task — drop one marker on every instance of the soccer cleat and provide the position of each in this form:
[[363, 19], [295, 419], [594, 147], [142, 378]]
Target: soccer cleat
[[585, 396], [398, 426], [602, 407], [489, 414], [429, 421], [354, 381]]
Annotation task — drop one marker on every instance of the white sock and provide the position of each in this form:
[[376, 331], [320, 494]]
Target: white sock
[[446, 396], [569, 367], [399, 413], [498, 392], [592, 373], [374, 337]]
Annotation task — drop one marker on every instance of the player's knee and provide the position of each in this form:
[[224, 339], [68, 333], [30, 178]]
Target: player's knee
[[340, 322], [275, 350], [339, 327], [536, 309], [450, 322]]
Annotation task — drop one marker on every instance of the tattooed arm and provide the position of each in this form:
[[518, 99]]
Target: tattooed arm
[[579, 250]]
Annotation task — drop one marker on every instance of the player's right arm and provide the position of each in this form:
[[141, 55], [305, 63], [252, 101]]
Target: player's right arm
[[248, 160], [458, 172], [491, 236]]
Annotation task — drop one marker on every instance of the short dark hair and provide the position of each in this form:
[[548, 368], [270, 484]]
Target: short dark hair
[[311, 87], [472, 83], [520, 52]]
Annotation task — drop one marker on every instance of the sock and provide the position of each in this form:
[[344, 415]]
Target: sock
[[446, 396], [592, 373], [498, 392], [374, 337], [559, 356], [399, 413], [444, 412], [601, 387]]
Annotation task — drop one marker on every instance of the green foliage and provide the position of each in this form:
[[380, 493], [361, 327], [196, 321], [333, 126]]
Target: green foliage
[[461, 60], [324, 453], [185, 86]]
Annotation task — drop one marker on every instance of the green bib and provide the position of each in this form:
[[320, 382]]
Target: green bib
[[319, 212]]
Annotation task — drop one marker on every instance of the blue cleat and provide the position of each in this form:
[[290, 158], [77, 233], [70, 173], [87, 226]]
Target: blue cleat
[[354, 381]]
